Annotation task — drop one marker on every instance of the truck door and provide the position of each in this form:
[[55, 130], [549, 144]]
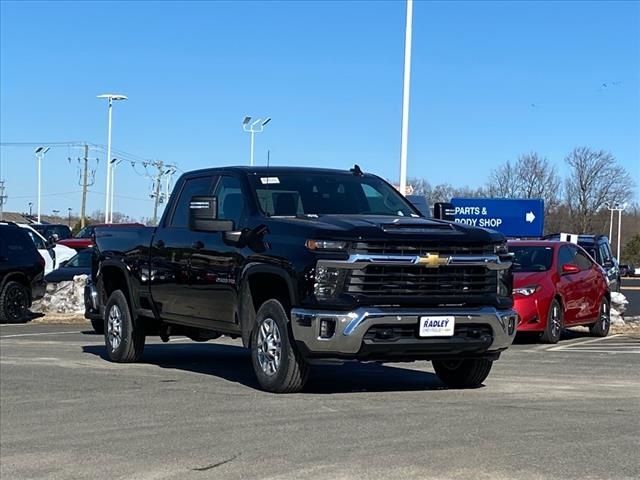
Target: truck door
[[215, 265], [171, 251]]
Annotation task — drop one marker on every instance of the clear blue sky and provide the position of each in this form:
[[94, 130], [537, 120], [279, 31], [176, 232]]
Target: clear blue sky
[[330, 75]]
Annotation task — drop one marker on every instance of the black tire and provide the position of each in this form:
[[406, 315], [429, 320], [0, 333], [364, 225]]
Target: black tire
[[14, 303], [603, 324], [289, 372], [131, 337], [467, 373], [555, 323], [98, 325]]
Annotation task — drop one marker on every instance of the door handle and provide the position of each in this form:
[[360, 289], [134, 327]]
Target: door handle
[[198, 245], [159, 244]]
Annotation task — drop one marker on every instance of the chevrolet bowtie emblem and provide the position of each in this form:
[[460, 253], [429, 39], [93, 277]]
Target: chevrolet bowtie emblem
[[432, 260]]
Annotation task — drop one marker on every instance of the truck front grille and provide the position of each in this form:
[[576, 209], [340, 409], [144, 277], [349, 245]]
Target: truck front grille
[[419, 248], [444, 281]]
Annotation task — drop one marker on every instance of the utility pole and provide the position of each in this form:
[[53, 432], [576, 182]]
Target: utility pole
[[84, 186], [156, 195], [406, 85], [3, 198]]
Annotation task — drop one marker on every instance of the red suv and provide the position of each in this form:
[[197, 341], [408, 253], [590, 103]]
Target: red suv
[[556, 285]]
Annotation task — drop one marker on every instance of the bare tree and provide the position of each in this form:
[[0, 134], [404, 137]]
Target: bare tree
[[594, 179], [532, 176]]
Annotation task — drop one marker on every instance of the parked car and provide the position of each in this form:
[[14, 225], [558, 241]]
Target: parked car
[[556, 285], [52, 254], [79, 264], [53, 232], [21, 273], [598, 247], [306, 265], [627, 270], [84, 238]]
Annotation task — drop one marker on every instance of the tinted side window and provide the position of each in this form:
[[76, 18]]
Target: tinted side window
[[192, 187], [37, 241], [231, 202], [582, 261], [565, 255], [15, 242]]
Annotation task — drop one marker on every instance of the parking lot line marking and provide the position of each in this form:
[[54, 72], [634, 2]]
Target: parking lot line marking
[[630, 288], [36, 334], [580, 343]]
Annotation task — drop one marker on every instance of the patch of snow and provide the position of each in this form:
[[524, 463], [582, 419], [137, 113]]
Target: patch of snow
[[63, 297], [618, 306]]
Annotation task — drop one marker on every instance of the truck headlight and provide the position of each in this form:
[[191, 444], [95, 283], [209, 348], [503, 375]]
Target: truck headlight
[[326, 245], [328, 281]]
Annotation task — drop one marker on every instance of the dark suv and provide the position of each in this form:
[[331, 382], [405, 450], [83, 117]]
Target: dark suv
[[598, 247], [21, 273]]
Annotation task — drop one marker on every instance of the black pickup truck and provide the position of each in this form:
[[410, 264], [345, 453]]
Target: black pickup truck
[[306, 265]]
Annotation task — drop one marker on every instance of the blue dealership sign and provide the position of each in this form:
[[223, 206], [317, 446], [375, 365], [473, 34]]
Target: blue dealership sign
[[513, 218]]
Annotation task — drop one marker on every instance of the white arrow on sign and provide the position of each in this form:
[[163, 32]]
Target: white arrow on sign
[[529, 217]]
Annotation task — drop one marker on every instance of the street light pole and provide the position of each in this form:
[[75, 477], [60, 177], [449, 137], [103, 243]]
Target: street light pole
[[257, 126], [114, 163], [69, 210], [620, 209], [107, 200], [405, 98], [40, 153]]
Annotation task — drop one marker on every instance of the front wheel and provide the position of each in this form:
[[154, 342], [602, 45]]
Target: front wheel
[[601, 327], [278, 366], [467, 373], [122, 337], [553, 329]]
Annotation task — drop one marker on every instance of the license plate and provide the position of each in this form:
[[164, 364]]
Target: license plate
[[437, 326]]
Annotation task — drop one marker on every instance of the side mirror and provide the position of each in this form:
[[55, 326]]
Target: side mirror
[[203, 216], [569, 268], [52, 239], [444, 211]]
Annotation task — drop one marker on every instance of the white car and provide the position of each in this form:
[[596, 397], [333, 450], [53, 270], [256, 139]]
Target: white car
[[61, 253]]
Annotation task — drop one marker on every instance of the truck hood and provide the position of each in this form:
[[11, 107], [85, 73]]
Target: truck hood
[[382, 227], [76, 243]]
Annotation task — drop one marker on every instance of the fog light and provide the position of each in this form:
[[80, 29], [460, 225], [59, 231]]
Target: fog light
[[512, 324], [327, 327]]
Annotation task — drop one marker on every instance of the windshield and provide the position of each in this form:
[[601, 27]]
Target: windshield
[[300, 194], [86, 232], [531, 259]]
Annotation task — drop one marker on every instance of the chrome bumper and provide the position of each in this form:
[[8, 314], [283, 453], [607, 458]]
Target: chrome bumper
[[350, 327]]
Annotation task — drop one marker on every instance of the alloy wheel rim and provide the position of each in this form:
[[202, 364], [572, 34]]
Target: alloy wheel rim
[[16, 303], [604, 315], [269, 346], [114, 327], [555, 321]]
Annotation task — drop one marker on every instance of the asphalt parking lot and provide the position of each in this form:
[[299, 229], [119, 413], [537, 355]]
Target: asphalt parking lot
[[193, 411]]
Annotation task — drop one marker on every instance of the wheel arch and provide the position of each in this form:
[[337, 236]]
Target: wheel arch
[[113, 276], [259, 283]]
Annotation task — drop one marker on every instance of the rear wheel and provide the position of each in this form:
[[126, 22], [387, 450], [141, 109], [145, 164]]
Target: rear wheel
[[278, 366], [601, 327], [14, 303], [553, 329], [467, 373], [122, 337]]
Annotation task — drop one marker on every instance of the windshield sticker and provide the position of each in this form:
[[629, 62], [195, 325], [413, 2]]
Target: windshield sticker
[[269, 180]]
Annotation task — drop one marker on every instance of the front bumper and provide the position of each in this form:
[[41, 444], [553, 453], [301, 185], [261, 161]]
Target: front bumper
[[479, 331], [92, 309]]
